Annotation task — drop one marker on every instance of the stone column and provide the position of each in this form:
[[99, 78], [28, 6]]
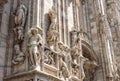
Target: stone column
[[60, 20], [106, 39], [64, 21], [36, 13]]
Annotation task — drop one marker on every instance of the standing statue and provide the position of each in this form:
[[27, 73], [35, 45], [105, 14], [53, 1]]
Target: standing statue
[[64, 72], [52, 34], [81, 57], [53, 18], [82, 73], [35, 47], [20, 17], [75, 53]]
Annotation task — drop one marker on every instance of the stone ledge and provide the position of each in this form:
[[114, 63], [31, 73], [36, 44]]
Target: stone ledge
[[28, 74]]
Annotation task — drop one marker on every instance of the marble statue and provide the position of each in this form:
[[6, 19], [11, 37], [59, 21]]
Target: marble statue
[[34, 47], [82, 73], [19, 33], [53, 18], [63, 66], [19, 56], [75, 53], [52, 34], [20, 17]]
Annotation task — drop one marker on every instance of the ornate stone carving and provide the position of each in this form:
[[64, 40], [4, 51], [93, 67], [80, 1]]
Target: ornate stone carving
[[20, 18], [82, 73], [19, 56], [75, 53], [50, 57], [64, 72], [52, 34], [18, 59], [75, 70], [35, 46]]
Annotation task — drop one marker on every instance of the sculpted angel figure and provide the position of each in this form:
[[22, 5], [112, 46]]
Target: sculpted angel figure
[[35, 47]]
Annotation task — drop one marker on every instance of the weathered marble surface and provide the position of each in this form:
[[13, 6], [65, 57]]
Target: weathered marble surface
[[59, 40]]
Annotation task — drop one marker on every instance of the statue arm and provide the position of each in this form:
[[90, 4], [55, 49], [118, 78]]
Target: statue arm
[[40, 41]]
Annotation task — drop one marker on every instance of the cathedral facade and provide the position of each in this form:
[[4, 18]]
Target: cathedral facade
[[59, 40]]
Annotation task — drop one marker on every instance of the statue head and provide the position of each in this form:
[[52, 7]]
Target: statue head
[[34, 31], [60, 44], [17, 48]]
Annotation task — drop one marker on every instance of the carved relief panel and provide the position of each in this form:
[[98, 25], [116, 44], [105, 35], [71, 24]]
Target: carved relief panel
[[18, 60]]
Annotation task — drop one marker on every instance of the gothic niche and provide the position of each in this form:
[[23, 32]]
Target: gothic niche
[[20, 18], [52, 34]]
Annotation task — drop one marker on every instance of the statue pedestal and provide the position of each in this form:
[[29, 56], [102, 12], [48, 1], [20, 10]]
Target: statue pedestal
[[32, 75]]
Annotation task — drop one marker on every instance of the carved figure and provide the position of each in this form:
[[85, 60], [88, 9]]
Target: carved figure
[[63, 66], [82, 73], [49, 58], [19, 55], [20, 17], [52, 34], [34, 47], [19, 33], [75, 53], [53, 17]]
